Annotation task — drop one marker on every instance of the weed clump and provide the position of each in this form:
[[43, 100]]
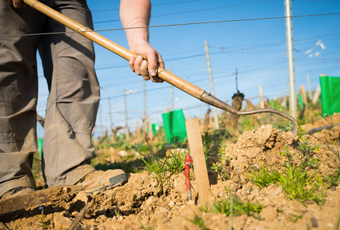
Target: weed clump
[[298, 179], [235, 207]]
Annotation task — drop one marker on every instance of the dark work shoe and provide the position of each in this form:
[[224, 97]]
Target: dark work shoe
[[17, 192], [102, 180]]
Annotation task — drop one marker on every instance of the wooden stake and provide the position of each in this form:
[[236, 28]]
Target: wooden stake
[[304, 95], [150, 128], [261, 97], [316, 94], [138, 130], [197, 154]]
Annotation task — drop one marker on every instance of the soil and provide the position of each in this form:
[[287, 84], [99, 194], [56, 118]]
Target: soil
[[146, 203]]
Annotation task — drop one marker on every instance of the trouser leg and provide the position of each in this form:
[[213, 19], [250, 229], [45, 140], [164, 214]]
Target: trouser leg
[[68, 61], [18, 95]]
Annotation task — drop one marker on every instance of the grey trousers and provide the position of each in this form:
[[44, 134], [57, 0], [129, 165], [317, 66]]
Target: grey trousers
[[68, 62]]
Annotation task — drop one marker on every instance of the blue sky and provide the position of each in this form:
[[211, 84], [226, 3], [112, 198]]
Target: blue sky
[[255, 47]]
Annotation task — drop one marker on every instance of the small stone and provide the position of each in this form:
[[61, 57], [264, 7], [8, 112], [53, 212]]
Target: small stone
[[66, 189], [75, 214], [82, 197], [171, 204], [150, 201], [179, 203], [122, 153], [314, 222], [61, 222], [121, 218]]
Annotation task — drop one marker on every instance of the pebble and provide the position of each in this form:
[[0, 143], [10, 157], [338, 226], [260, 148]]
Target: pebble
[[171, 204], [314, 222], [150, 201]]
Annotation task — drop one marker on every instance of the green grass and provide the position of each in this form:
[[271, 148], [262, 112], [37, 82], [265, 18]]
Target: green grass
[[333, 180], [153, 227], [296, 182], [299, 185], [160, 167], [297, 176], [235, 206], [198, 221], [263, 177], [219, 166]]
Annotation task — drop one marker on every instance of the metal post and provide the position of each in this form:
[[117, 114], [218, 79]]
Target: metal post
[[211, 82], [172, 94], [126, 117], [308, 85], [290, 58]]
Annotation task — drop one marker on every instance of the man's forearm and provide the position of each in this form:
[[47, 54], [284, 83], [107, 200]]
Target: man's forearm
[[135, 13]]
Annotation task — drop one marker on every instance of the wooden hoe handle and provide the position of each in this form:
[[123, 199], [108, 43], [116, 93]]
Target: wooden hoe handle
[[165, 75]]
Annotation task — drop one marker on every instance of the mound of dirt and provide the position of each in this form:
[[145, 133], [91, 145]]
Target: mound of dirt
[[267, 146]]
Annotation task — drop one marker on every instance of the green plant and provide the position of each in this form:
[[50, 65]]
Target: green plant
[[333, 180], [298, 184], [307, 151], [283, 128], [218, 166], [263, 177], [42, 222], [249, 125], [153, 227], [173, 163], [294, 219], [198, 221], [117, 212], [236, 206]]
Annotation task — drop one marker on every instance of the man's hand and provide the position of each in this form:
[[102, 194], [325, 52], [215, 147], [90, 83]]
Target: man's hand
[[135, 17], [147, 69], [16, 3]]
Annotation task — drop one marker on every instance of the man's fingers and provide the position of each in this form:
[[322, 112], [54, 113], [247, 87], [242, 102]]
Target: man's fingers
[[18, 3], [132, 63], [160, 60], [137, 64], [144, 68]]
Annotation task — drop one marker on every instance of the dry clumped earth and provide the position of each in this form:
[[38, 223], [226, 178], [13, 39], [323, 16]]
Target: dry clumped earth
[[145, 202]]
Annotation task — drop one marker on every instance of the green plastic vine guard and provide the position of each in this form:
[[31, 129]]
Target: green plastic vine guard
[[330, 95], [174, 126], [40, 147], [155, 128]]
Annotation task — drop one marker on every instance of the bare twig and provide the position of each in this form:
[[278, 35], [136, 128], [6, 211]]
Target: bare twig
[[80, 216], [147, 142]]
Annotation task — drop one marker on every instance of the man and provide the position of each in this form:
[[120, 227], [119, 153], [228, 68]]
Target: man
[[68, 62]]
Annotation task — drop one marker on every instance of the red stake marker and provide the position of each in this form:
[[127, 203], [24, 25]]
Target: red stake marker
[[187, 164]]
